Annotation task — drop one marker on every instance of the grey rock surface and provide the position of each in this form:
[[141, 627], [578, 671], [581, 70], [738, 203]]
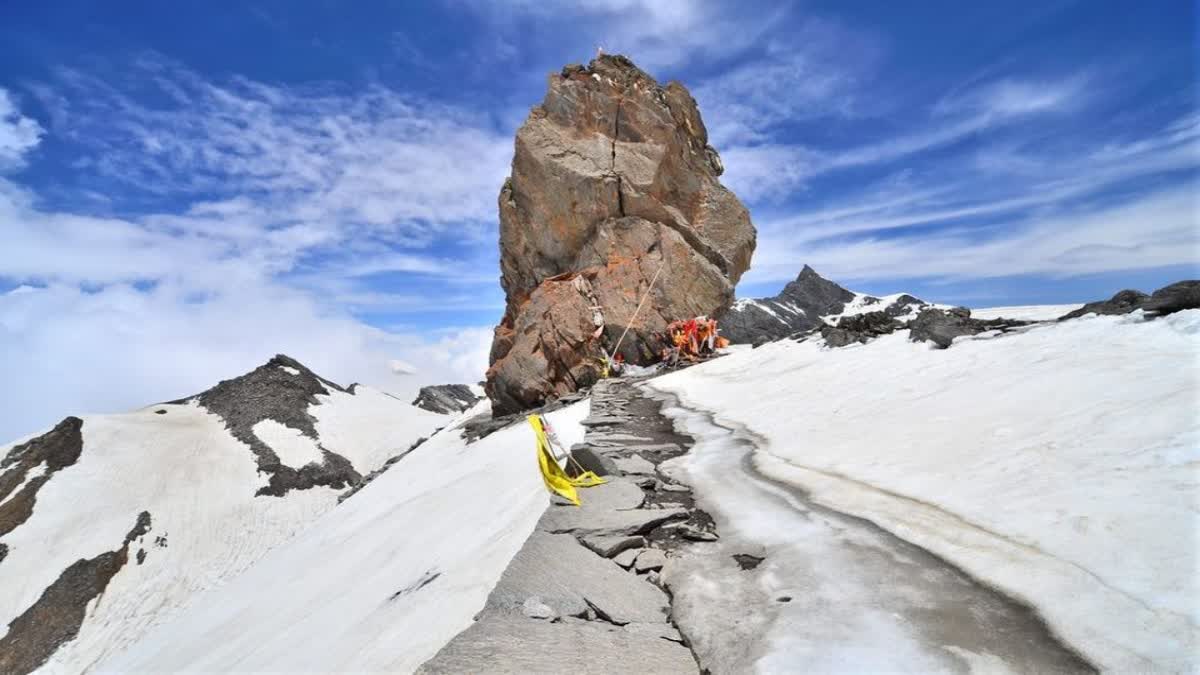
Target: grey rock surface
[[519, 645], [585, 457], [569, 579], [446, 399], [650, 559], [534, 608], [610, 545], [1175, 297], [636, 465], [941, 326], [626, 558]]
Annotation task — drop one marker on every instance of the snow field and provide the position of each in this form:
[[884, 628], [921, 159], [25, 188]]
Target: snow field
[[1057, 464], [383, 581]]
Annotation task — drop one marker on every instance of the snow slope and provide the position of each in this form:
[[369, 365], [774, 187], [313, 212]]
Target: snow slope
[[383, 581], [181, 465], [1057, 464], [1024, 312]]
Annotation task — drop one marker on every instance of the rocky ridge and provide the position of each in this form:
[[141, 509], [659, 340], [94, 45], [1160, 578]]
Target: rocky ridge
[[446, 398], [1175, 297], [613, 187], [282, 390], [806, 303], [589, 576]]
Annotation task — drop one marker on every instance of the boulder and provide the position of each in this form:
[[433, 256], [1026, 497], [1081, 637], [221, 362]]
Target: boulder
[[1123, 302], [1175, 297], [941, 326], [587, 458], [1178, 296], [613, 182], [859, 328]]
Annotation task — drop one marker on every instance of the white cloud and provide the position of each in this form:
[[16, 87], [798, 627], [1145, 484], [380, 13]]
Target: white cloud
[[985, 188], [656, 35], [372, 162], [817, 69], [260, 189], [18, 134], [1141, 232], [1012, 97], [65, 351]]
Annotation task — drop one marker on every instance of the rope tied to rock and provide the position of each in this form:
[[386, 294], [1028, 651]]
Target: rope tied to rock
[[608, 357]]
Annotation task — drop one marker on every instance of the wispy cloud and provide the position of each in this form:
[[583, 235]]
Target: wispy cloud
[[1049, 211], [1142, 232], [770, 170], [18, 134], [240, 193], [657, 35]]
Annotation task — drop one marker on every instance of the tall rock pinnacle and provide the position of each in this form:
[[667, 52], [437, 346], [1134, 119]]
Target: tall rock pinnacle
[[612, 181]]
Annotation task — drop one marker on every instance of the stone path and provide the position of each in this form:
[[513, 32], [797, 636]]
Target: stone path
[[584, 594], [608, 586]]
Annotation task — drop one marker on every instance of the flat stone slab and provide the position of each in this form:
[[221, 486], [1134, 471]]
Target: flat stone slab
[[610, 545], [604, 419], [635, 465], [568, 578], [581, 522], [654, 448], [625, 558], [590, 459], [650, 559], [601, 436], [617, 494], [511, 644]]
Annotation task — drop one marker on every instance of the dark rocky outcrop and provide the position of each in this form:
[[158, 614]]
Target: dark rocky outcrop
[[1176, 297], [798, 308], [56, 616], [58, 448], [446, 398], [859, 328], [941, 326], [613, 182], [282, 390], [1123, 302]]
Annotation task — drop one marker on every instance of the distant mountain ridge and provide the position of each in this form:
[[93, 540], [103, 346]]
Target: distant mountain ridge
[[807, 302]]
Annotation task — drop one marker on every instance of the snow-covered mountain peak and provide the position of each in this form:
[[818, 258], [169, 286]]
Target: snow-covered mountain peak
[[112, 523]]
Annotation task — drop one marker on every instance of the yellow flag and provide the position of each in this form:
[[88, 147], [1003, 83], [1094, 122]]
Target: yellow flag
[[553, 475]]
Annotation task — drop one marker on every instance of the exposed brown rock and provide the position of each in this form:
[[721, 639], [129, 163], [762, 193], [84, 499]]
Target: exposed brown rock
[[612, 178], [55, 617], [282, 389], [58, 448]]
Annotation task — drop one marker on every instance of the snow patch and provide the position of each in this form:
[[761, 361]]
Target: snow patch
[[290, 370], [369, 426], [291, 445], [1024, 312]]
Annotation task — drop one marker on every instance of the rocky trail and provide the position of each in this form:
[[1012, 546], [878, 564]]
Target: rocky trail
[[585, 591], [642, 577]]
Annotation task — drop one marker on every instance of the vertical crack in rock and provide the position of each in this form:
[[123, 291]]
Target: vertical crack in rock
[[56, 449], [54, 619], [281, 390]]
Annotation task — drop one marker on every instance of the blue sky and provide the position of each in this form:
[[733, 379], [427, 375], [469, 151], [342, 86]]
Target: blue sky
[[188, 188]]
